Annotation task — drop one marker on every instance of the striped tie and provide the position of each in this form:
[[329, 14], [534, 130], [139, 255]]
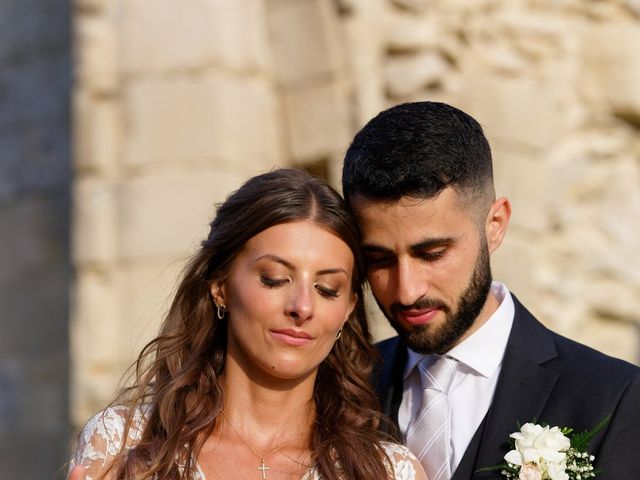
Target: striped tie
[[429, 432]]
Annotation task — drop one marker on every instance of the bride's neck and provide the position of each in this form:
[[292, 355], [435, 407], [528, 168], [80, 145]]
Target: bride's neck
[[267, 406]]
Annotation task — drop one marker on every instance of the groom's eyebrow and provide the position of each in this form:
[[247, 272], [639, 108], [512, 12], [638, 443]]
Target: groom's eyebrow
[[432, 243]]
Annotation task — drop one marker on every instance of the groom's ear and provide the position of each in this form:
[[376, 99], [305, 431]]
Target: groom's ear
[[497, 222]]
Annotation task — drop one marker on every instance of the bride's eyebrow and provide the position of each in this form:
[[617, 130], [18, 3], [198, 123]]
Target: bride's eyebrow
[[275, 258], [330, 271], [290, 266]]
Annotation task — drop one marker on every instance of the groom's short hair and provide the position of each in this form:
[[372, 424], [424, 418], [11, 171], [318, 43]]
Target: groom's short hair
[[419, 149]]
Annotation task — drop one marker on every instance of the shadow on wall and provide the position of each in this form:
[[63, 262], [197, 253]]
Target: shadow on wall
[[35, 80]]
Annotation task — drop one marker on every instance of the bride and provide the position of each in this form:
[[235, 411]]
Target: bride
[[260, 369]]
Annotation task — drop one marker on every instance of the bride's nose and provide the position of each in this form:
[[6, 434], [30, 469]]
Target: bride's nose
[[300, 303]]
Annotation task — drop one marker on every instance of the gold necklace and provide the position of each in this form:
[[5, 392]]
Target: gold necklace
[[263, 467]]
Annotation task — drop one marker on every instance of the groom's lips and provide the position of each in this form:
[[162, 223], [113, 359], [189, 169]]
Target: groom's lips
[[418, 317]]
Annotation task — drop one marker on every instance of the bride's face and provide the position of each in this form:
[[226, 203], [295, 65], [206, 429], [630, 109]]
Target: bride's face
[[288, 293]]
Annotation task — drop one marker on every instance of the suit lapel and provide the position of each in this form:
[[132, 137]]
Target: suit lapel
[[389, 384], [522, 391]]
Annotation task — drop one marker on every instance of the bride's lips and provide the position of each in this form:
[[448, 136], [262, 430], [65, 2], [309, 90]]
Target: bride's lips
[[292, 337], [418, 317]]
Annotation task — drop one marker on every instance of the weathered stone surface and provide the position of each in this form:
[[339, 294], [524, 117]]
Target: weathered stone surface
[[96, 314], [163, 216], [217, 118], [215, 90], [409, 32], [407, 74], [231, 33], [147, 291], [94, 222], [91, 6], [611, 56], [318, 121], [413, 5], [96, 48], [521, 178], [98, 133], [525, 111], [306, 41]]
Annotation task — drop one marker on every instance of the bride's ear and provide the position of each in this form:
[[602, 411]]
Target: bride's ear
[[218, 293]]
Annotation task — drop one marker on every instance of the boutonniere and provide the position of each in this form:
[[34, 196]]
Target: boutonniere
[[541, 452]]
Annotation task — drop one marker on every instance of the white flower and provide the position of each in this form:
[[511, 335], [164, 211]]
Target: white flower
[[535, 444], [557, 471], [530, 471]]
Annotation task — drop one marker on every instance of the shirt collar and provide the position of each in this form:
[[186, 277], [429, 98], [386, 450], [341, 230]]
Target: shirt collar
[[483, 350]]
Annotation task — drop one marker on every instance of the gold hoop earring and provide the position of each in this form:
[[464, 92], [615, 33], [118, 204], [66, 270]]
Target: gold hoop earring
[[221, 311], [339, 334]]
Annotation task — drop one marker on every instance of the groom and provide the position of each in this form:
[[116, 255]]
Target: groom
[[470, 363]]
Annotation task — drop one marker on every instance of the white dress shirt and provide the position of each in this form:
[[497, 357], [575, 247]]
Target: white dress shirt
[[479, 362]]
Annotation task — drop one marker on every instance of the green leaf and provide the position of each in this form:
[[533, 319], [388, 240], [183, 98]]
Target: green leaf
[[580, 441]]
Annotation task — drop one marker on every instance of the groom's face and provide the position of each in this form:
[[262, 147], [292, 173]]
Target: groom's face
[[428, 267]]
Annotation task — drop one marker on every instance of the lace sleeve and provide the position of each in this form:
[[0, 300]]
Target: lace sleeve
[[404, 464], [101, 439]]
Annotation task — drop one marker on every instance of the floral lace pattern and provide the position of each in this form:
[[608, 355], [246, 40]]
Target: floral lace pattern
[[102, 438]]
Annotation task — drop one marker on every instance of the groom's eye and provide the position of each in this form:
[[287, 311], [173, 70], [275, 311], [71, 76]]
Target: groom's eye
[[431, 255]]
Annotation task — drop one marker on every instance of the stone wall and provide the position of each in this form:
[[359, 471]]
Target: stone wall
[[165, 127], [174, 107], [35, 82], [556, 86]]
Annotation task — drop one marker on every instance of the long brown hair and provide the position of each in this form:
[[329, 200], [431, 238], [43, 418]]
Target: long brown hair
[[177, 375]]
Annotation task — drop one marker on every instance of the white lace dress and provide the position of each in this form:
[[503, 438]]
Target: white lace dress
[[101, 440]]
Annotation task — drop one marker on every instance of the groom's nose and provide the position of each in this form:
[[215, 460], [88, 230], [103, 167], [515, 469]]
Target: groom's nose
[[409, 284]]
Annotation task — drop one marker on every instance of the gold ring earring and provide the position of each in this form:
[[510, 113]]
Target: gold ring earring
[[339, 334]]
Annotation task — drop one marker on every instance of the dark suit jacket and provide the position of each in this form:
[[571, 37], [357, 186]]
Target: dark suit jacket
[[548, 379]]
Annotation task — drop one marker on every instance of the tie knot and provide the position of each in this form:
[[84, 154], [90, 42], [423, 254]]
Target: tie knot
[[437, 372]]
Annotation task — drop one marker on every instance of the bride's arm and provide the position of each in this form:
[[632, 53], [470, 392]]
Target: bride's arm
[[404, 463], [98, 444]]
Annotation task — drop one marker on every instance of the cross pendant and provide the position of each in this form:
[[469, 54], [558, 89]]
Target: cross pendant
[[263, 468]]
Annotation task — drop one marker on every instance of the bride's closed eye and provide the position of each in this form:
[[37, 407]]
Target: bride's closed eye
[[327, 291], [272, 282]]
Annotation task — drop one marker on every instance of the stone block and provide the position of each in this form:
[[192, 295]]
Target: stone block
[[318, 121], [528, 182], [92, 6], [611, 298], [515, 263], [229, 33], [528, 111], [412, 5], [604, 243], [164, 217], [96, 49], [612, 62], [95, 328], [408, 74], [215, 118], [147, 291], [408, 32], [306, 40], [97, 133], [94, 239]]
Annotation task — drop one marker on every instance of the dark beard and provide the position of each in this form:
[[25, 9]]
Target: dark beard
[[428, 339]]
